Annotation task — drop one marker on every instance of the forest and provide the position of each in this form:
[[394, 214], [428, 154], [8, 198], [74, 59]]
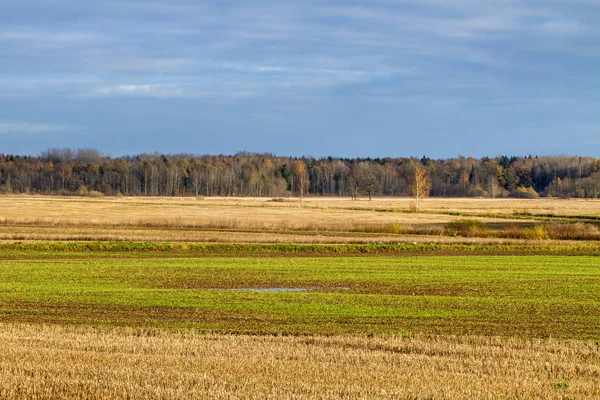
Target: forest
[[89, 172]]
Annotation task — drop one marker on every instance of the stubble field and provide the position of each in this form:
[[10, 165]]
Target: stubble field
[[113, 298]]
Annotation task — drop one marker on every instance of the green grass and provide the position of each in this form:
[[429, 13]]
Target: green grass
[[523, 296], [155, 249]]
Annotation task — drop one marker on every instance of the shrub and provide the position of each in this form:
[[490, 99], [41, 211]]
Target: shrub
[[514, 231], [467, 227], [557, 231], [82, 191], [478, 191], [395, 228], [577, 231], [5, 189], [94, 193], [535, 233], [525, 193]]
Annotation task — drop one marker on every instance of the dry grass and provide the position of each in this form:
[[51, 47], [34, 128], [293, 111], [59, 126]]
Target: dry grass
[[37, 233], [65, 363], [322, 220], [214, 214], [34, 218], [197, 214]]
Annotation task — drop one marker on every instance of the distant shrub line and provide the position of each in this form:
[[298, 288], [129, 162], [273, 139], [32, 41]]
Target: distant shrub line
[[553, 230]]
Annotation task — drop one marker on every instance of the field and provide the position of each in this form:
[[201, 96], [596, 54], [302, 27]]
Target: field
[[66, 362], [251, 298], [321, 220], [520, 296]]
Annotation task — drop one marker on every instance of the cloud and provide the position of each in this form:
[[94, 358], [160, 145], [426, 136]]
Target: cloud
[[564, 28], [14, 128], [163, 91], [172, 91], [149, 64], [49, 38]]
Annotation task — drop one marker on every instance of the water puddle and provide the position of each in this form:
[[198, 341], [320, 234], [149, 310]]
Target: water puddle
[[274, 289], [283, 289]]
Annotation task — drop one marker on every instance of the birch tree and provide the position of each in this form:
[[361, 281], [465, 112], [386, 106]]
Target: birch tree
[[419, 186], [301, 178]]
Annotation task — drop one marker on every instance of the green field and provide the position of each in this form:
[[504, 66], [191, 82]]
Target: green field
[[506, 295]]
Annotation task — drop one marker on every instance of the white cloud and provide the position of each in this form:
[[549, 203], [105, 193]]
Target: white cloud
[[43, 38], [146, 90], [172, 91], [14, 128], [564, 28], [149, 64]]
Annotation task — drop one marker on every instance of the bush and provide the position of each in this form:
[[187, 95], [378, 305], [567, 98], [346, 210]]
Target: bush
[[395, 228], [535, 233], [5, 189], [467, 227], [557, 231], [478, 191], [82, 191], [525, 193], [577, 231], [94, 193]]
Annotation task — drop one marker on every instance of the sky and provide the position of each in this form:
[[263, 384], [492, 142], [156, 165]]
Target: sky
[[377, 78]]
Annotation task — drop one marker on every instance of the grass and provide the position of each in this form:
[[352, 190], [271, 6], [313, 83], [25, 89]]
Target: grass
[[322, 220], [512, 296], [76, 363], [146, 250]]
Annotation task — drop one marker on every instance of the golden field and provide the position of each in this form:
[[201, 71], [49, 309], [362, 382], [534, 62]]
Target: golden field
[[68, 363], [321, 220]]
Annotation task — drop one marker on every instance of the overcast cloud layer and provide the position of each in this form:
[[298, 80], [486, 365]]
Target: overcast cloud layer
[[342, 78]]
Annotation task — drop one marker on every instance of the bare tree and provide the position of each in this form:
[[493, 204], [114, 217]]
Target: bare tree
[[419, 186], [368, 183]]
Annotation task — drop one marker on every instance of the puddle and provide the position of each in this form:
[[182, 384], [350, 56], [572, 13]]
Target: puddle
[[283, 289], [274, 289]]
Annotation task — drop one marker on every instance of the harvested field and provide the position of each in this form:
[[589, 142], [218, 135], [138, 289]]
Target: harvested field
[[64, 362]]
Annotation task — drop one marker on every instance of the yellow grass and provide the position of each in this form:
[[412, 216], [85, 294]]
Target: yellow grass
[[36, 233], [217, 213], [65, 363], [321, 220]]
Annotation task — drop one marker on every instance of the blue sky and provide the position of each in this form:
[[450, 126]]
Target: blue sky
[[344, 78]]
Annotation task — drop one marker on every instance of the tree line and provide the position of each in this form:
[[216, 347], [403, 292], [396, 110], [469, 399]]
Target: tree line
[[87, 171]]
